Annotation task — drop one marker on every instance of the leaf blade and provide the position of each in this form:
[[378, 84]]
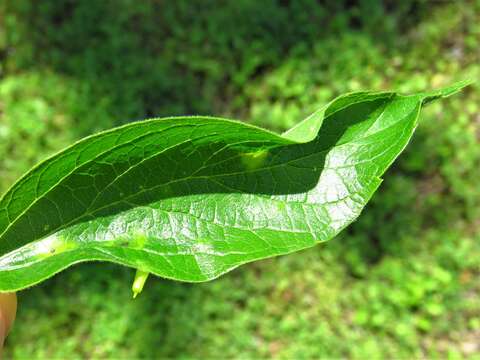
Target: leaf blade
[[190, 199]]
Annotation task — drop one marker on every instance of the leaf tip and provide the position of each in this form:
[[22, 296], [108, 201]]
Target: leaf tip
[[446, 91]]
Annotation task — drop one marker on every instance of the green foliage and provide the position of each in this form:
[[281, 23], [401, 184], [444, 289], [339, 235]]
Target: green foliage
[[191, 198], [40, 113], [380, 289], [154, 59]]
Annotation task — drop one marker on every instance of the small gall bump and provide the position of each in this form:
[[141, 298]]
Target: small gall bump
[[139, 282], [254, 160]]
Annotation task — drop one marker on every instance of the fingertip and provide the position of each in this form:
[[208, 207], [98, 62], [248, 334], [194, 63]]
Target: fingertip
[[2, 332], [8, 311]]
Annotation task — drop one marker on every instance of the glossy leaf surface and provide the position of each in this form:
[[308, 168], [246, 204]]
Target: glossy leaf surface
[[191, 198]]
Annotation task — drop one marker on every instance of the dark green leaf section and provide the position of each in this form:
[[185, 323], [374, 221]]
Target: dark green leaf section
[[191, 198]]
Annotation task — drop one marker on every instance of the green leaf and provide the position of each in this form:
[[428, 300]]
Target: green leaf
[[191, 198]]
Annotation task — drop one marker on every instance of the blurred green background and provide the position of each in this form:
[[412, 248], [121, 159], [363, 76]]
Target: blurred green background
[[402, 282]]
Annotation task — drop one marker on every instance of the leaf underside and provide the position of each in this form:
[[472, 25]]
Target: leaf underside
[[191, 198]]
